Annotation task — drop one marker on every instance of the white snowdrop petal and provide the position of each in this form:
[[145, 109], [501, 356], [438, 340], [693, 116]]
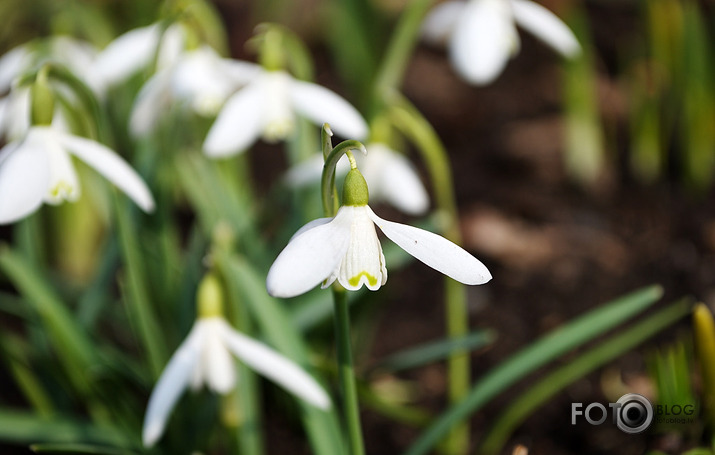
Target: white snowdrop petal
[[275, 367], [219, 367], [241, 73], [395, 180], [12, 64], [239, 123], [171, 384], [111, 166], [435, 251], [483, 40], [441, 21], [171, 45], [321, 105], [150, 103], [63, 183], [546, 26], [127, 54], [310, 225], [310, 257], [363, 263], [24, 176]]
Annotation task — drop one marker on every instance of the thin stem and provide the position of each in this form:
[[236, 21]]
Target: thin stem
[[348, 386], [416, 127], [400, 48]]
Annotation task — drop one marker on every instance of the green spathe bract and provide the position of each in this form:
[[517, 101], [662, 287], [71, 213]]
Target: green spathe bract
[[43, 101], [355, 190]]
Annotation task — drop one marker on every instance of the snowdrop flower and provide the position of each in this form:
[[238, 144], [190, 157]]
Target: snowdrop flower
[[389, 175], [266, 108], [15, 106], [39, 169], [482, 33], [200, 78], [137, 48], [205, 358], [346, 248], [78, 56]]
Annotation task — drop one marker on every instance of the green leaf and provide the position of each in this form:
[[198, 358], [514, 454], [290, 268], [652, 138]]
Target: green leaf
[[435, 350], [541, 392], [26, 428], [558, 342], [79, 449], [321, 426], [139, 305], [68, 339]]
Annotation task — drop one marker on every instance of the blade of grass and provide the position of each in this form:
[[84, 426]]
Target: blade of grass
[[435, 350], [541, 392], [79, 449], [556, 343], [137, 291], [69, 340], [26, 428], [26, 380]]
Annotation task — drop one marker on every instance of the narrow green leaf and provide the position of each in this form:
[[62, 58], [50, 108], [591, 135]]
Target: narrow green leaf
[[321, 426], [68, 339], [137, 291], [541, 392], [25, 428], [79, 449], [537, 354], [435, 350]]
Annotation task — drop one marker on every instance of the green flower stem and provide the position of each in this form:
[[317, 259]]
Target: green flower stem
[[409, 120], [400, 48], [332, 156], [348, 387], [346, 373]]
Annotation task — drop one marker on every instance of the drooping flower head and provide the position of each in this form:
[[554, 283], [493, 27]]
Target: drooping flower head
[[205, 358], [346, 248], [267, 108], [390, 176], [482, 35], [38, 168]]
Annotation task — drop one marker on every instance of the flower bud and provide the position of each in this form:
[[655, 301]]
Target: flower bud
[[210, 297], [42, 100], [355, 190]]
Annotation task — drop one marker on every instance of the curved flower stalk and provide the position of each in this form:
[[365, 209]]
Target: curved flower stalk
[[205, 358], [390, 176], [346, 248], [482, 34], [39, 169], [267, 107]]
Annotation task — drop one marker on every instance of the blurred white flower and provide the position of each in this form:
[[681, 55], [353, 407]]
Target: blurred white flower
[[346, 248], [200, 78], [136, 49], [39, 169], [390, 176], [205, 358], [482, 33], [266, 108], [77, 56]]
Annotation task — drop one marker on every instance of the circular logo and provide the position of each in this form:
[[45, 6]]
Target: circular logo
[[635, 413]]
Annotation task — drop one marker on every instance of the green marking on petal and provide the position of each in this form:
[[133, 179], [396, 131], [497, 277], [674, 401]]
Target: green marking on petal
[[356, 279]]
